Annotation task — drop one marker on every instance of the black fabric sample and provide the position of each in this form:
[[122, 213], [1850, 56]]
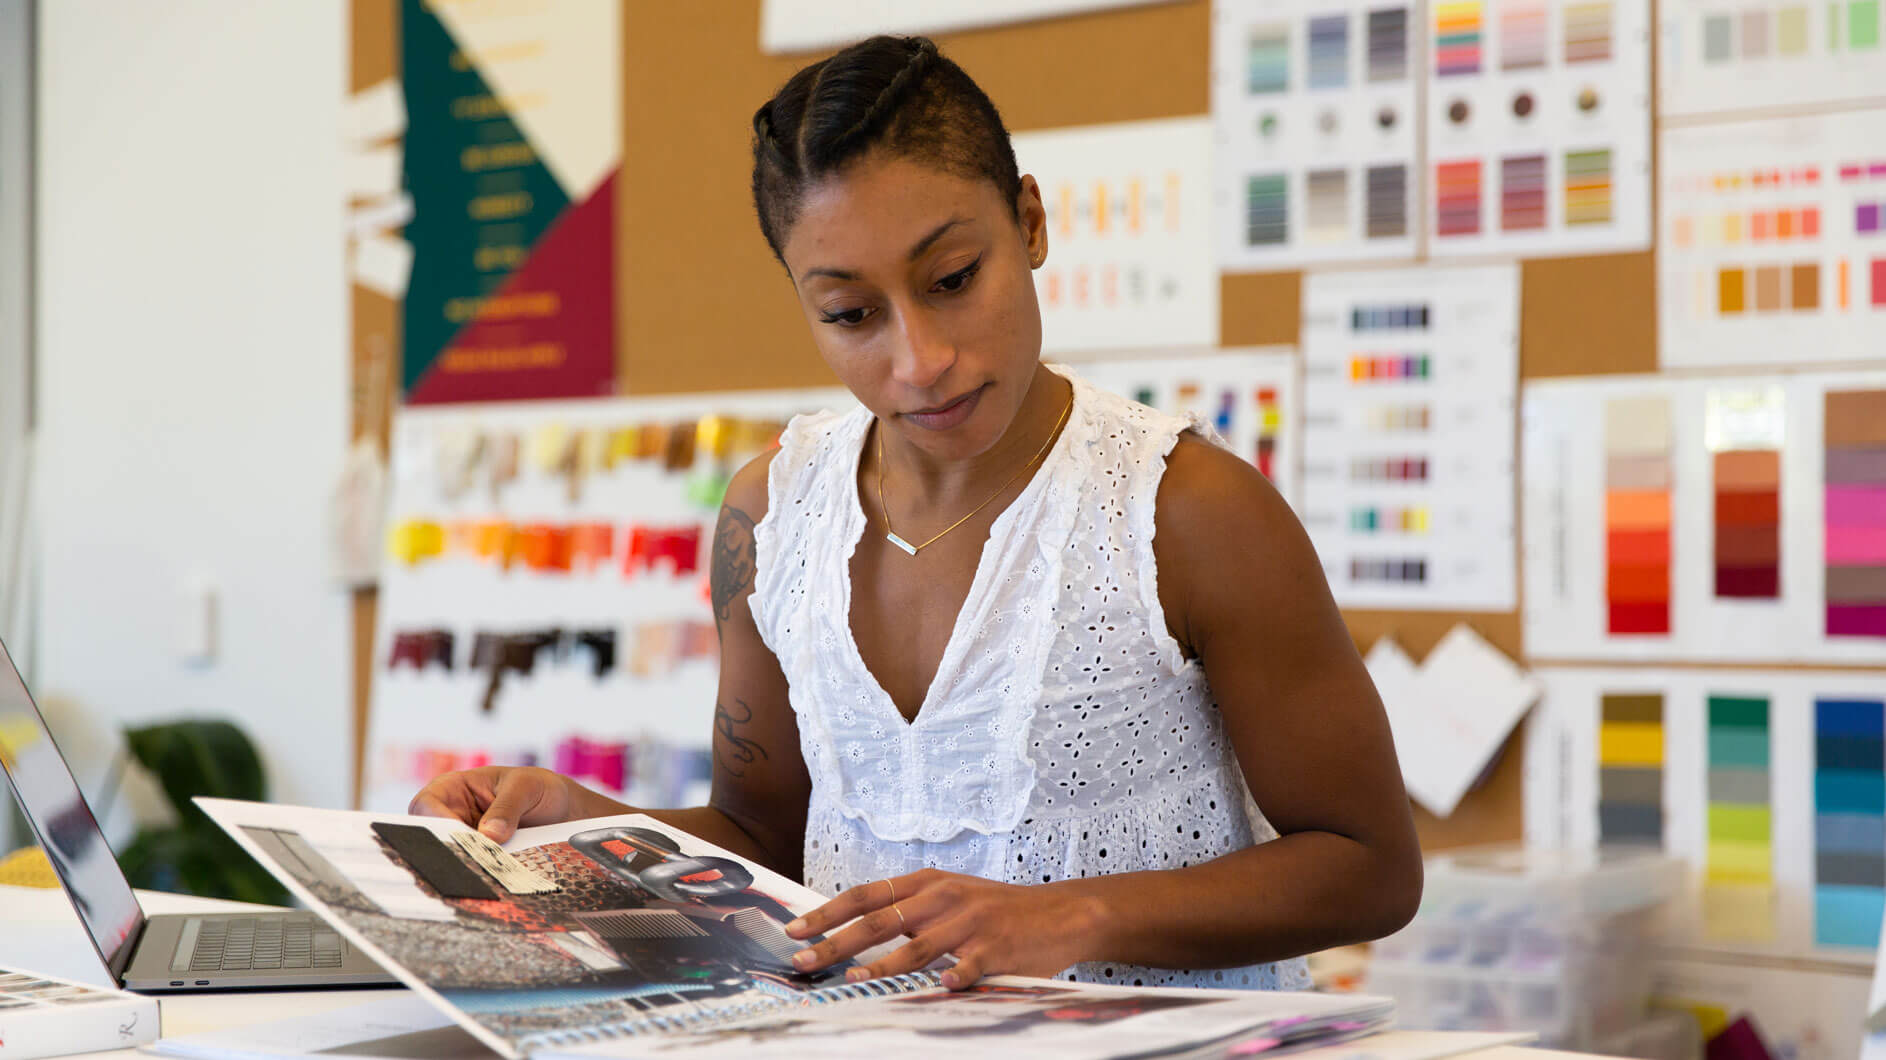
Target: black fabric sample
[[435, 862]]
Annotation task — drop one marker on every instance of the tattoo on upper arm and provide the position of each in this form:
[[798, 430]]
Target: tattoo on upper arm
[[733, 751], [732, 569]]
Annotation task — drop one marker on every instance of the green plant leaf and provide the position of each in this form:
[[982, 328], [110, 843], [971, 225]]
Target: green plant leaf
[[191, 758]]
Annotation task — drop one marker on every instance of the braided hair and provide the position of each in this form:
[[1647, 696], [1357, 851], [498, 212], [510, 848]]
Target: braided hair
[[897, 94]]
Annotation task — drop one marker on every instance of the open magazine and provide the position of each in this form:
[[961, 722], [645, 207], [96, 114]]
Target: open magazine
[[623, 936]]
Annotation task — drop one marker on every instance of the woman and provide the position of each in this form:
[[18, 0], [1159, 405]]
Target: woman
[[1000, 651]]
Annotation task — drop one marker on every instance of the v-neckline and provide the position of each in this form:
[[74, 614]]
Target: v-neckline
[[979, 586]]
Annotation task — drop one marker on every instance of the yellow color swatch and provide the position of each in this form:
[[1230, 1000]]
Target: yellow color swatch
[[1732, 861], [1730, 295], [1712, 1019], [415, 540], [1630, 743]]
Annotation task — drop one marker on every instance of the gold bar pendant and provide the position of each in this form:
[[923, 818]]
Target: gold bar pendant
[[900, 542]]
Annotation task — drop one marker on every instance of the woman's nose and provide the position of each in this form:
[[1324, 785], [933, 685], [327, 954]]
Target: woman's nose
[[924, 354]]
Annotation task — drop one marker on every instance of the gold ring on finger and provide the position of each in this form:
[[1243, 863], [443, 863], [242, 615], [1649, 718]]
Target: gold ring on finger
[[903, 926]]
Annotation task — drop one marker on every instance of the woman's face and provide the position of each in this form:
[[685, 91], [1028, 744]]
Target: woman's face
[[917, 286]]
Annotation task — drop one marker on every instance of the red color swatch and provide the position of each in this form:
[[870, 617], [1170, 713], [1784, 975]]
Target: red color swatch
[[1748, 523]]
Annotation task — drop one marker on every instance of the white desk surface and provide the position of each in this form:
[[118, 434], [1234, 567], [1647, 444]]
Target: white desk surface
[[40, 932]]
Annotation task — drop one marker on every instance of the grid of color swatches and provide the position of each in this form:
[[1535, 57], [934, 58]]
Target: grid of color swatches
[[1499, 87], [1407, 469], [1743, 429], [1588, 192], [1761, 32], [1785, 288], [1637, 440], [1305, 121], [1390, 367], [1739, 891], [1630, 768], [1371, 519], [1849, 821], [1855, 501], [1397, 570], [1411, 418], [1389, 317], [1779, 225]]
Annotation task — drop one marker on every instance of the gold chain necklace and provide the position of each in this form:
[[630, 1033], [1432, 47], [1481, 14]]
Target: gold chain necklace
[[891, 535]]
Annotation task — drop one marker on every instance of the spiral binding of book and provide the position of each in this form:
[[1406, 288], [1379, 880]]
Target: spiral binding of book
[[700, 1019]]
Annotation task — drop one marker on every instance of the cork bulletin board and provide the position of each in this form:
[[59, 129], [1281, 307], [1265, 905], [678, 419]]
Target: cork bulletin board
[[701, 305]]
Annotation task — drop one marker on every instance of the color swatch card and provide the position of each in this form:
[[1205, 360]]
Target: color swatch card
[[1313, 104], [1637, 476], [1726, 55], [1129, 235], [1771, 785], [1538, 127], [1249, 396], [1854, 503], [1409, 390], [1773, 240], [1731, 519], [1744, 430]]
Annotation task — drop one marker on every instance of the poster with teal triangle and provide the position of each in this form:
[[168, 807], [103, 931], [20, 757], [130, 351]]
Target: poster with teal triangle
[[512, 147]]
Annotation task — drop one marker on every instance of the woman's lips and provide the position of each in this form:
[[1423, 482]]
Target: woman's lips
[[947, 416]]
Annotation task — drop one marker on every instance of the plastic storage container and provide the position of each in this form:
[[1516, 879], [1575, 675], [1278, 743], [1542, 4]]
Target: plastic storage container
[[1550, 941]]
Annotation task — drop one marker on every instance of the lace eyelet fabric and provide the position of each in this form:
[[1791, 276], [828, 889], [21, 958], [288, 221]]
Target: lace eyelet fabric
[[1065, 735]]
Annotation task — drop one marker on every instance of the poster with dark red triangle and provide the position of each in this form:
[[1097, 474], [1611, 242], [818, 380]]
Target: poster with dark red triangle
[[512, 147]]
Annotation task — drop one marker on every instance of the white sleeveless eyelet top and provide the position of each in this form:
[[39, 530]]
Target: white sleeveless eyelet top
[[1065, 734]]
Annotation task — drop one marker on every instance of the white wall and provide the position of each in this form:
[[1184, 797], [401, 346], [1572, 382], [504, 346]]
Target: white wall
[[15, 110], [193, 372]]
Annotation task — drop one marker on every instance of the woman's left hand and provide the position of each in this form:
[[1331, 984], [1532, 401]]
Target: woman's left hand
[[992, 928]]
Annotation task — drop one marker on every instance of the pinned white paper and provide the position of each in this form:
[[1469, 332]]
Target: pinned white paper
[[357, 516], [1410, 382], [1450, 714], [1129, 262], [372, 173], [374, 113], [383, 264], [381, 215]]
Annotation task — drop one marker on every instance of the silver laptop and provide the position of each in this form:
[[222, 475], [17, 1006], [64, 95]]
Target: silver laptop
[[175, 952]]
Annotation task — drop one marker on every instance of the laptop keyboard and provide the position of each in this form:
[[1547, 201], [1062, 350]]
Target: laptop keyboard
[[264, 943]]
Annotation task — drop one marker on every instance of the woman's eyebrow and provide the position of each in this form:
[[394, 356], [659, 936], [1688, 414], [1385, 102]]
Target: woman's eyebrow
[[935, 234], [916, 251]]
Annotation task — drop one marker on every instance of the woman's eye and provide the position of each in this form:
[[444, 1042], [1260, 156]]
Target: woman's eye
[[849, 318], [959, 279]]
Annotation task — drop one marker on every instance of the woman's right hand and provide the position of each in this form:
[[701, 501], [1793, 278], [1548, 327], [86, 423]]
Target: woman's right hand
[[497, 800]]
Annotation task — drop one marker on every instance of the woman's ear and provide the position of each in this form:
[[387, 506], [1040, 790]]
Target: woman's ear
[[1033, 218]]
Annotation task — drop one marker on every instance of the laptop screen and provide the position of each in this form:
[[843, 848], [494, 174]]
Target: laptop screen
[[63, 822]]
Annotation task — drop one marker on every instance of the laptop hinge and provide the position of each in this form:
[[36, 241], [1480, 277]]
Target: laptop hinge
[[120, 962]]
